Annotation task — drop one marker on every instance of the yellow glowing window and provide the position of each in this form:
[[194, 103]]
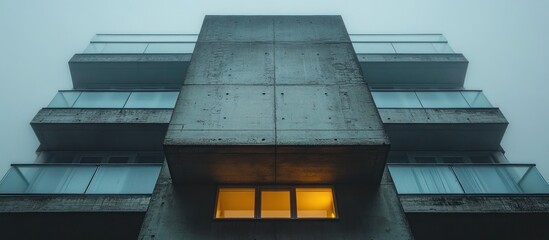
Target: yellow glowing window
[[315, 203], [235, 203], [275, 204]]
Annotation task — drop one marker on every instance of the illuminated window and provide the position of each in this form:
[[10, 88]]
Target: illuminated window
[[235, 203], [277, 202], [315, 203]]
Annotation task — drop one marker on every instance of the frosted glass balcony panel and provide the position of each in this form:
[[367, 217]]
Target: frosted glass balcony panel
[[124, 48], [145, 38], [442, 100], [442, 48], [502, 180], [414, 48], [47, 179], [397, 37], [476, 99], [170, 48], [95, 48], [424, 179], [152, 100], [396, 100], [102, 100], [64, 99], [120, 179], [373, 48]]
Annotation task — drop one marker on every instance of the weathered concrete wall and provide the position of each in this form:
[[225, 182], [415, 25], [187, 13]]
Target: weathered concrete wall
[[475, 204], [130, 71], [414, 70], [72, 217], [186, 212], [444, 129], [279, 89], [477, 217], [101, 129]]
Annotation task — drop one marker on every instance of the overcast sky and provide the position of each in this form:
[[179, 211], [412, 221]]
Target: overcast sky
[[506, 43]]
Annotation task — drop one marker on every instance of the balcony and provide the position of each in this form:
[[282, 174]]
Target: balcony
[[440, 120], [487, 201], [468, 179], [409, 60], [107, 201], [38, 179], [105, 120], [133, 61]]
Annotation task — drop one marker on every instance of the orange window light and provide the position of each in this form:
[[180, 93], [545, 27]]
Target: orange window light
[[235, 203], [275, 204], [315, 203]]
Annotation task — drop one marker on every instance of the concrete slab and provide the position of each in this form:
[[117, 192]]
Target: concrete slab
[[128, 71], [310, 29], [414, 70], [101, 129]]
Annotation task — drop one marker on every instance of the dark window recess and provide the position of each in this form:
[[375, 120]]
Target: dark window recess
[[453, 160], [119, 160], [91, 159], [426, 159]]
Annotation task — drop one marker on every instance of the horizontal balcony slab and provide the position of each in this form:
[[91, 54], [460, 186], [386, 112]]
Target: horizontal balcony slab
[[477, 217], [129, 71], [72, 217], [444, 129], [101, 129], [414, 70]]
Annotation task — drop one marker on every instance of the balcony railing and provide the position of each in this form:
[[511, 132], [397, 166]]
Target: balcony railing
[[400, 43], [80, 179], [430, 99], [468, 179], [185, 43], [114, 99], [141, 43]]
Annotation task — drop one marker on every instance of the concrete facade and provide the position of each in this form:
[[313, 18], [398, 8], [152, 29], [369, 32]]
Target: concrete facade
[[275, 99]]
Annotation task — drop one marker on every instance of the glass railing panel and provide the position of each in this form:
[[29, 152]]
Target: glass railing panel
[[442, 100], [124, 48], [424, 179], [373, 48], [120, 179], [476, 99], [80, 179], [533, 182], [152, 100], [102, 100], [467, 178], [414, 48], [442, 48], [145, 38], [396, 100], [170, 48], [504, 179], [47, 179], [64, 99], [398, 37], [95, 48]]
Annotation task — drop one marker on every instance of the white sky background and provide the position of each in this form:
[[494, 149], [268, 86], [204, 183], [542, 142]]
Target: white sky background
[[506, 42]]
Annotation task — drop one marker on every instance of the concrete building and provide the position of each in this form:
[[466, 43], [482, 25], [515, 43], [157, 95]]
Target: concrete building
[[271, 127]]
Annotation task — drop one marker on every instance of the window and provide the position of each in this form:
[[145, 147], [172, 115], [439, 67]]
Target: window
[[276, 203]]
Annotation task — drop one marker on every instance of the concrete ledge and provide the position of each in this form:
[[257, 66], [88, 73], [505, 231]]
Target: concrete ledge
[[475, 204], [73, 203], [130, 71], [72, 216], [444, 129], [101, 129], [414, 70]]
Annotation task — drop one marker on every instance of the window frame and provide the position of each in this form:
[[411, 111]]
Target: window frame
[[293, 202]]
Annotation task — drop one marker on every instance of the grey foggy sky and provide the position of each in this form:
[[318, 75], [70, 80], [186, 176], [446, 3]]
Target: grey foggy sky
[[505, 41]]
